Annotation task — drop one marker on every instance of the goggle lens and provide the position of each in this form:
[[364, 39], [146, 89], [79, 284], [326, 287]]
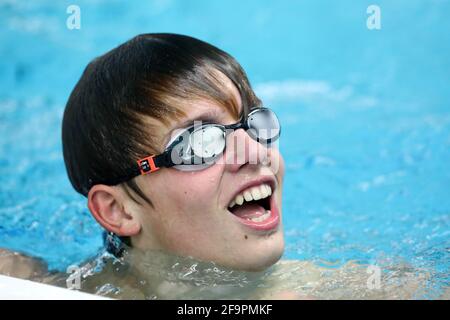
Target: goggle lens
[[263, 125], [208, 141]]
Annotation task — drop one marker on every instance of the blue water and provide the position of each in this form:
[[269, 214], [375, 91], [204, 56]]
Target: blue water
[[366, 119]]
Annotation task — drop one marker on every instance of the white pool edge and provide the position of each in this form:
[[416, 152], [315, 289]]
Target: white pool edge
[[19, 289]]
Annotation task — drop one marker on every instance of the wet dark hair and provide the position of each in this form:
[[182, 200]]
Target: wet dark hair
[[104, 128]]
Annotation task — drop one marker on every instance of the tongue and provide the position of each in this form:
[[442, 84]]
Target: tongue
[[248, 210]]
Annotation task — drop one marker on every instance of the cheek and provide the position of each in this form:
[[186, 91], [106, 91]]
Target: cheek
[[187, 207], [197, 190], [277, 164], [281, 165]]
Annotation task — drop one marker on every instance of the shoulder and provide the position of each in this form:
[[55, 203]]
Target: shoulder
[[18, 265]]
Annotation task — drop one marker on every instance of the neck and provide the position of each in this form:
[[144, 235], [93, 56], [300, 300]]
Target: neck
[[171, 276]]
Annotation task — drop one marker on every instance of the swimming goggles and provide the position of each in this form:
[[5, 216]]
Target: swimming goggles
[[198, 146]]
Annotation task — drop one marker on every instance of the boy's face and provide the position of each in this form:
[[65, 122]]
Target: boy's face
[[191, 215]]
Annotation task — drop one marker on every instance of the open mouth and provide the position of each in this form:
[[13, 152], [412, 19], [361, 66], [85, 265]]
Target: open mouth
[[255, 207]]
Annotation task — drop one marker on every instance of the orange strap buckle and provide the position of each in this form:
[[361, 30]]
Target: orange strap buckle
[[147, 165]]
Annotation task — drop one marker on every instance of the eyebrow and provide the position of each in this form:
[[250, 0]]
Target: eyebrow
[[209, 116]]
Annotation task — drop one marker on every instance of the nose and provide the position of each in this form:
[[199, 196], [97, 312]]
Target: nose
[[242, 150]]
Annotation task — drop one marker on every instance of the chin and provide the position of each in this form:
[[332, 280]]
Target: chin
[[261, 257], [263, 265]]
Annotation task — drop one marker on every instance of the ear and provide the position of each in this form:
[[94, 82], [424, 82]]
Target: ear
[[106, 205]]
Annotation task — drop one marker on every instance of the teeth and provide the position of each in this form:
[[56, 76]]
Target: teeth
[[256, 193], [264, 191], [269, 190], [239, 199], [250, 194]]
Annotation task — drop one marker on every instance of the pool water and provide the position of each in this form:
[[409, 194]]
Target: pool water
[[365, 115]]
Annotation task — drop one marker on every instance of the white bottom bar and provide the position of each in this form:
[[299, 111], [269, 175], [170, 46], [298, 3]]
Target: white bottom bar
[[19, 289]]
